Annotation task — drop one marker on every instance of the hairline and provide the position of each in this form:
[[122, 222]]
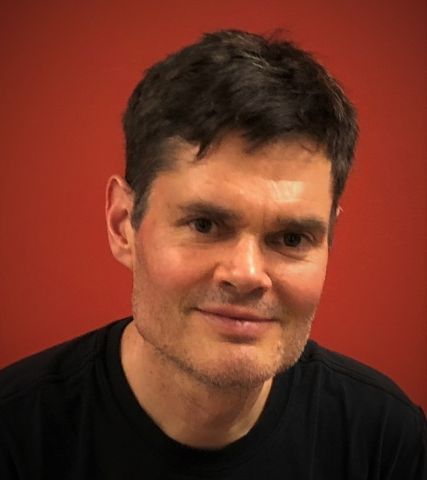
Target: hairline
[[175, 144]]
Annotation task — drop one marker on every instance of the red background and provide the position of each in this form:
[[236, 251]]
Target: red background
[[67, 69]]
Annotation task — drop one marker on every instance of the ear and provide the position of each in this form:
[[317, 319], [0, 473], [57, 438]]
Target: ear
[[118, 210], [332, 221]]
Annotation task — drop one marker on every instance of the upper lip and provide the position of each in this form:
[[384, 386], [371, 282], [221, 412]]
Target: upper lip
[[237, 313]]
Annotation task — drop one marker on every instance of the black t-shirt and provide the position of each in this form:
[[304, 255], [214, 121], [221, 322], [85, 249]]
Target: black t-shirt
[[69, 413]]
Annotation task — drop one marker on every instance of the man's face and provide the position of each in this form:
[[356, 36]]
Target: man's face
[[230, 258]]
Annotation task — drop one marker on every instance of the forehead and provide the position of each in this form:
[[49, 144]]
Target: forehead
[[276, 175], [238, 153]]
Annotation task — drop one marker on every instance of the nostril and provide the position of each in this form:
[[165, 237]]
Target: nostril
[[242, 267], [243, 282]]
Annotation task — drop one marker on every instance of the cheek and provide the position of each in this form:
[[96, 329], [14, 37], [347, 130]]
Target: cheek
[[300, 286], [173, 268]]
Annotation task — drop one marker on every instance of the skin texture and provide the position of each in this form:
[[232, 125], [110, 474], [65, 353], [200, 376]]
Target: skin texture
[[228, 267]]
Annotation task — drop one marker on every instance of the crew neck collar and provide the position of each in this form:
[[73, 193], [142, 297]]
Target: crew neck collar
[[179, 456]]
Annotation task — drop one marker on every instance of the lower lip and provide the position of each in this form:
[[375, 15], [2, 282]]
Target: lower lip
[[232, 327]]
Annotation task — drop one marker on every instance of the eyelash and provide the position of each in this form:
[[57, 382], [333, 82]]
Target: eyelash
[[194, 220], [305, 240], [275, 239]]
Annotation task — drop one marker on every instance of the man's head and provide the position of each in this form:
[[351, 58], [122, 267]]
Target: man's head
[[232, 81], [238, 150]]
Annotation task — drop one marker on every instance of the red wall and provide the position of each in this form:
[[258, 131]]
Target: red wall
[[67, 69]]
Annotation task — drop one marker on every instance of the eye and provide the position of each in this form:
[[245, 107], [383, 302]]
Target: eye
[[202, 225], [291, 242], [292, 239]]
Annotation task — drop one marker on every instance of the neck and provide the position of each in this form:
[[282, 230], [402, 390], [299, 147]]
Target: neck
[[190, 412]]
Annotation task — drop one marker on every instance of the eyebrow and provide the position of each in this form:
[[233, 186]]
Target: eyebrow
[[219, 213], [303, 224], [211, 210]]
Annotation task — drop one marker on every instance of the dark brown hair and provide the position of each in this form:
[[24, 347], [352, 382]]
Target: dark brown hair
[[264, 88]]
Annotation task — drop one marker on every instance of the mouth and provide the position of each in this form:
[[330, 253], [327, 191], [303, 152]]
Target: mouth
[[236, 313], [235, 322]]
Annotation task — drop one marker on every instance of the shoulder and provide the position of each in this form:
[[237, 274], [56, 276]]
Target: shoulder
[[366, 408], [360, 390], [347, 370], [54, 366], [354, 372]]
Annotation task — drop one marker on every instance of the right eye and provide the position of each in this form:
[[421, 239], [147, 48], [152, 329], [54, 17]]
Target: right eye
[[202, 225]]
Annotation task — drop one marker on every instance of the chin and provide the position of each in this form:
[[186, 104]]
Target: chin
[[242, 369], [232, 365]]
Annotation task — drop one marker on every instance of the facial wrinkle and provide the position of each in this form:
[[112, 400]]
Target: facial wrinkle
[[286, 190]]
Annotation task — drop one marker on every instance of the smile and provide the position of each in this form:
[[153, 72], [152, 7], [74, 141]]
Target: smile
[[236, 322]]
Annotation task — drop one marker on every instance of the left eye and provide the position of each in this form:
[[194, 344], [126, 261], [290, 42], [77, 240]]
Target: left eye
[[292, 239], [202, 225]]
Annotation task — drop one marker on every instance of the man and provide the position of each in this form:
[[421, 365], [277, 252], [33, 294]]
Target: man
[[238, 150]]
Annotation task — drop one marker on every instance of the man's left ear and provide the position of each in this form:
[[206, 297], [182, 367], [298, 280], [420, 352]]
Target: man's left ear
[[118, 211], [338, 211]]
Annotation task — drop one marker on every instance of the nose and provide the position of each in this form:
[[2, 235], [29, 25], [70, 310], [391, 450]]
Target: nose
[[242, 268]]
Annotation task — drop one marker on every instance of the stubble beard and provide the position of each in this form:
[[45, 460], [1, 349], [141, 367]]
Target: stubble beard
[[234, 372], [237, 373]]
